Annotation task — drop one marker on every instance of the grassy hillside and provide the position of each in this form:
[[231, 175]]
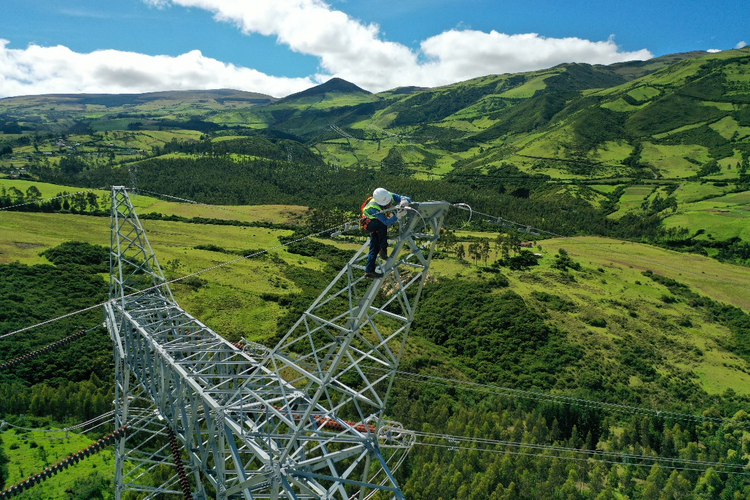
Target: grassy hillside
[[655, 153], [61, 113], [233, 299], [619, 322], [676, 120], [30, 451]]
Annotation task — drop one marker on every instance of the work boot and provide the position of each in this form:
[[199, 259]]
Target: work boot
[[373, 274], [384, 253]]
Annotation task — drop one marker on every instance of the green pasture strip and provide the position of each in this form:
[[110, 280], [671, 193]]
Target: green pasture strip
[[610, 286], [731, 200], [631, 200], [644, 93], [671, 161], [146, 204], [724, 282], [622, 106], [690, 192], [722, 217], [224, 138], [613, 152], [720, 224], [726, 127], [741, 198], [529, 88], [31, 451], [47, 190], [603, 188], [678, 130], [278, 214]]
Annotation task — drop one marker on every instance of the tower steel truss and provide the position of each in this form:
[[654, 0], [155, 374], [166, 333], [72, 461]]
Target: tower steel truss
[[305, 419]]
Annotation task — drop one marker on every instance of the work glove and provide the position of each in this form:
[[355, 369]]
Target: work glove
[[402, 210]]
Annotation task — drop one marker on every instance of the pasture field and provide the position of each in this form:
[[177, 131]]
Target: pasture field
[[528, 89], [690, 192], [672, 160], [631, 200], [232, 299], [728, 126], [145, 204], [626, 260], [603, 188], [227, 297], [718, 224], [722, 217], [47, 190], [613, 152], [612, 289], [31, 451]]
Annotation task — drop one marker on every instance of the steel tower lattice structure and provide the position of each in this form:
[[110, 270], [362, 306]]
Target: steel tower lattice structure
[[303, 420]]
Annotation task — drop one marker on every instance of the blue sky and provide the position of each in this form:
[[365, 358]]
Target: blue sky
[[282, 46]]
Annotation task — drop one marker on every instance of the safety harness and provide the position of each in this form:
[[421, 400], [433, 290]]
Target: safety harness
[[365, 219]]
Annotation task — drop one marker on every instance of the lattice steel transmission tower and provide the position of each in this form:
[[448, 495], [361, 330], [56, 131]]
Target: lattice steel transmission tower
[[303, 420]]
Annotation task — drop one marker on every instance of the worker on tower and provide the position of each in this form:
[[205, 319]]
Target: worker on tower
[[376, 220]]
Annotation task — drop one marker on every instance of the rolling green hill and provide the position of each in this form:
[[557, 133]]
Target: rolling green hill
[[669, 133], [625, 324], [642, 312]]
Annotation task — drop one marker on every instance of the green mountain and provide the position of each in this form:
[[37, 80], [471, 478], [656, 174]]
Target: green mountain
[[611, 367], [333, 88], [666, 138], [666, 117], [75, 113]]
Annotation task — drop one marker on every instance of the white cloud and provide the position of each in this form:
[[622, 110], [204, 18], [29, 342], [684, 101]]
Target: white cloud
[[349, 49], [58, 70], [741, 45], [345, 47], [713, 51], [475, 53]]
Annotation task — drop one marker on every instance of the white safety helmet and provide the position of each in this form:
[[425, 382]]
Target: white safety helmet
[[381, 196]]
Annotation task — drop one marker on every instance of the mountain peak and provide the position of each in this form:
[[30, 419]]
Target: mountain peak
[[337, 85]]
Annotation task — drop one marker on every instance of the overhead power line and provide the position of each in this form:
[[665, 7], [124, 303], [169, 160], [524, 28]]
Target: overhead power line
[[580, 458], [455, 440], [71, 459], [49, 347], [559, 398], [175, 280]]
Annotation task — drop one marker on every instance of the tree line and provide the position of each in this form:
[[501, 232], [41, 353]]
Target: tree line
[[510, 194]]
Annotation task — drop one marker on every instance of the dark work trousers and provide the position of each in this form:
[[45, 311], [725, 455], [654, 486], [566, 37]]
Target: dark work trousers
[[378, 240]]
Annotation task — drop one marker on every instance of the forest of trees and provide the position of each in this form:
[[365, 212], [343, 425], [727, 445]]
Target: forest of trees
[[505, 192], [262, 174], [74, 382]]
